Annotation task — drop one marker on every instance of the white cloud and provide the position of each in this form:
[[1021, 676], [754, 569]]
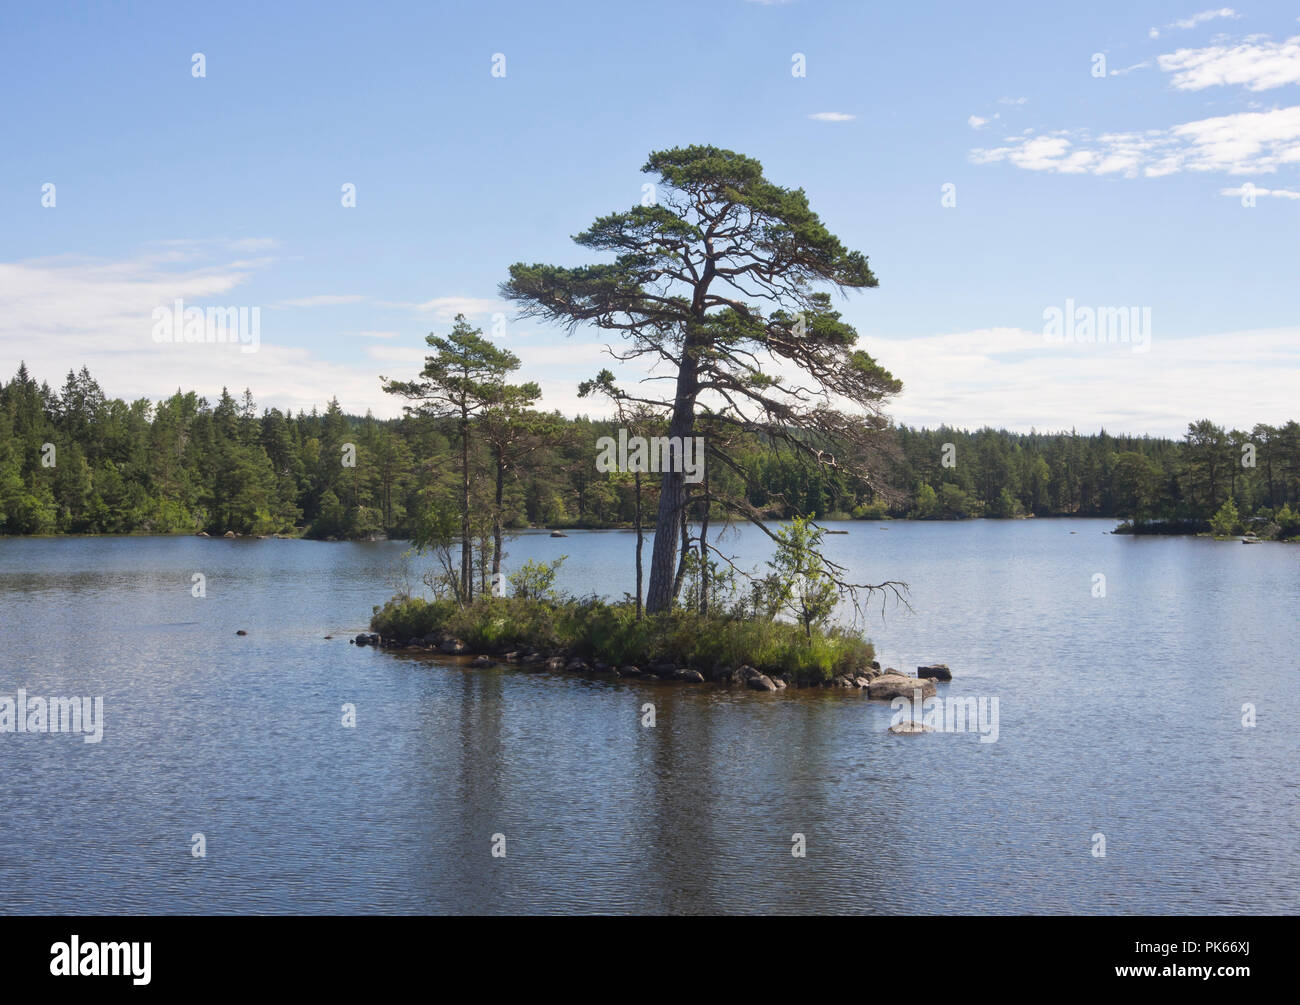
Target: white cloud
[[445, 309], [1196, 19], [1256, 64], [975, 122], [832, 116], [1242, 143], [377, 334], [1275, 193], [1012, 101], [1014, 378], [64, 313]]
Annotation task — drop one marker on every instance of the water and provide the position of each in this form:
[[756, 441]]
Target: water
[[1119, 715]]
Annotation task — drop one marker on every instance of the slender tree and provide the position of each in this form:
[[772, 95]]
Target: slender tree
[[463, 379]]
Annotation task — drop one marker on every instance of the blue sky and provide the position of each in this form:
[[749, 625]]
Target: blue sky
[[1118, 189]]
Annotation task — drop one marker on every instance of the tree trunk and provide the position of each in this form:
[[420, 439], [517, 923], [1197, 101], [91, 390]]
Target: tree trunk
[[681, 558], [704, 551], [640, 542], [672, 495], [496, 519], [466, 544]]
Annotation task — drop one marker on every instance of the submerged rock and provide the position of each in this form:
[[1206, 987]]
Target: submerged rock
[[910, 728], [760, 682], [935, 671], [481, 661], [453, 647]]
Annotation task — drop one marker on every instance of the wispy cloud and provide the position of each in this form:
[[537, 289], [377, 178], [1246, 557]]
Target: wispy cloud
[[1242, 143], [1274, 193], [66, 312], [323, 300], [975, 122], [445, 309], [832, 116], [1196, 19]]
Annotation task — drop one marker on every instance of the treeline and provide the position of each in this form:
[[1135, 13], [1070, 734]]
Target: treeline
[[1213, 478], [74, 461]]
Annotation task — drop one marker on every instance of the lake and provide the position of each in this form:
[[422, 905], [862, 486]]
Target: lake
[[1120, 715]]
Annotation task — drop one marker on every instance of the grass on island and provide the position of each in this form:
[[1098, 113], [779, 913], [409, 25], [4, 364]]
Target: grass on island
[[596, 630]]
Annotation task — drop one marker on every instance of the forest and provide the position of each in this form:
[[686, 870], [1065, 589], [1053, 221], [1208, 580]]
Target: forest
[[74, 461]]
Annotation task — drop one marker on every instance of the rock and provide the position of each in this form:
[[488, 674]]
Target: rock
[[433, 639], [533, 658], [875, 664], [329, 636], [862, 681], [452, 647], [510, 657], [241, 632], [555, 664], [936, 671], [744, 673], [201, 533], [760, 682], [780, 682], [629, 671], [362, 640], [576, 665], [910, 728], [600, 666], [558, 533], [895, 685], [688, 676], [480, 661], [664, 669], [229, 534]]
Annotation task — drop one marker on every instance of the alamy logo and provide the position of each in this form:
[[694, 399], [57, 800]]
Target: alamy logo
[[240, 326], [1092, 325], [102, 959], [951, 715], [652, 454], [53, 715]]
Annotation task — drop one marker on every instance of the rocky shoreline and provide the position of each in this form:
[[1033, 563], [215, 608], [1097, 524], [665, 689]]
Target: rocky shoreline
[[884, 684]]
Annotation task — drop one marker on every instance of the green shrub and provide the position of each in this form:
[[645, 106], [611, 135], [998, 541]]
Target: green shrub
[[595, 629], [1227, 521]]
